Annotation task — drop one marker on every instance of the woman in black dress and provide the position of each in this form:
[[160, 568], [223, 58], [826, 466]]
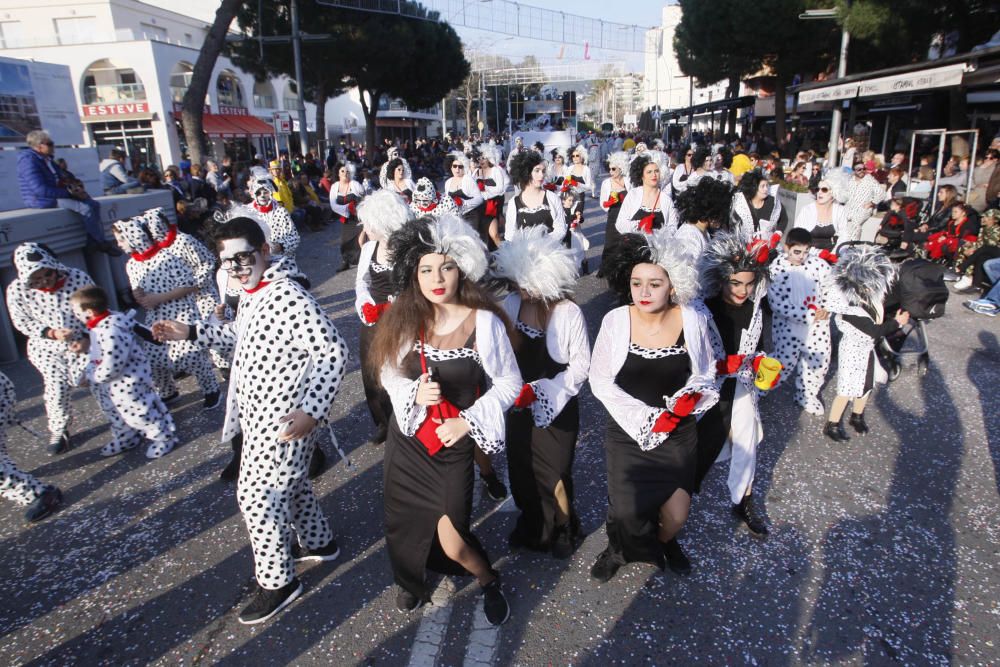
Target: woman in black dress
[[462, 188], [756, 212], [381, 214], [534, 205], [444, 357], [647, 206], [653, 370], [553, 355], [613, 191]]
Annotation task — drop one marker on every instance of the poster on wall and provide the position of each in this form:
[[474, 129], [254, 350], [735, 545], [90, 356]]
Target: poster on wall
[[18, 108], [36, 95]]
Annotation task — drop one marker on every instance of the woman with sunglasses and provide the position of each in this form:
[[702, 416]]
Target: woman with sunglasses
[[613, 191], [683, 170], [824, 218], [462, 188]]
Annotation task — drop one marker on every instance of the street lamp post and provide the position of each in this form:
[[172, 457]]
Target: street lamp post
[[835, 122]]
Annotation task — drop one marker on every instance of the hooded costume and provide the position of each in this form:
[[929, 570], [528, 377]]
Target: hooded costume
[[426, 201], [15, 484], [279, 229]]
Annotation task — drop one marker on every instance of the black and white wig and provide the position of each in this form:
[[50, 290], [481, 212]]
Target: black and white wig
[[636, 168], [383, 212], [448, 235], [733, 252], [619, 159], [456, 156], [656, 248], [708, 200], [533, 260], [521, 165], [863, 275]]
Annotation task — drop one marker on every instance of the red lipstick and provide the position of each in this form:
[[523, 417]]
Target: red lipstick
[[439, 291]]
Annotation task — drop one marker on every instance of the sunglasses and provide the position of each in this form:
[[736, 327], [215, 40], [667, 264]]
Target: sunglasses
[[689, 155], [458, 166], [238, 261], [824, 189]]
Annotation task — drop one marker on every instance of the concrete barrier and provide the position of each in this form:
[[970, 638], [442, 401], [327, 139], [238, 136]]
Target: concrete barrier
[[63, 232]]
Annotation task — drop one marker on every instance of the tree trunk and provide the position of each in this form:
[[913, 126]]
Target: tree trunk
[[320, 102], [201, 77], [732, 92], [779, 108], [370, 110]]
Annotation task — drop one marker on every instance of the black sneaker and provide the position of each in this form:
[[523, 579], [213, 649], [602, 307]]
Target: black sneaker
[[44, 504], [60, 444], [407, 601], [267, 603], [301, 554], [751, 515], [494, 487], [858, 422], [606, 566], [213, 400], [676, 559], [495, 604], [317, 463], [562, 543], [232, 469]]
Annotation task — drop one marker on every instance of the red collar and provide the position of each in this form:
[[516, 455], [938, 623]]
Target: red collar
[[427, 209], [264, 209], [55, 288], [261, 284], [169, 239], [146, 254], [97, 319]]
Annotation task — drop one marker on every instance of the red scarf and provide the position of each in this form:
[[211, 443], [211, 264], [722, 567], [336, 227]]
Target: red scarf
[[260, 285], [169, 239], [97, 319], [146, 254], [427, 209], [264, 209], [55, 288]]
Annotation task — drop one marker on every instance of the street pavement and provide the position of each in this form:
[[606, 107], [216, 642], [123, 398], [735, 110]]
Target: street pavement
[[883, 550]]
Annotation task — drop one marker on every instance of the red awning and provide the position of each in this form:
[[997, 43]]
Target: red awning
[[228, 126], [251, 125]]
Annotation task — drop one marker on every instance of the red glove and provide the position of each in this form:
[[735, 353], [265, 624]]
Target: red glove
[[372, 313], [457, 200], [646, 223], [729, 365], [756, 362], [525, 398], [612, 200], [352, 206], [551, 187], [686, 403], [491, 208], [666, 422], [828, 256], [481, 184]]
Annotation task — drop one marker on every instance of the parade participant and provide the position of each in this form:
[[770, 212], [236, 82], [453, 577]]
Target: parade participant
[[646, 207], [702, 209], [120, 377], [16, 485], [427, 202], [387, 172], [801, 324], [683, 171], [400, 182], [756, 212], [734, 271], [653, 369], [444, 356], [613, 191], [462, 188], [165, 287], [281, 390], [553, 355], [556, 170], [579, 179], [825, 219], [381, 214], [282, 236], [38, 303], [863, 194], [345, 195], [492, 181], [534, 205], [860, 281]]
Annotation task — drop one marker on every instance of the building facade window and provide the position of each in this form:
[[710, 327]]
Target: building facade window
[[75, 29]]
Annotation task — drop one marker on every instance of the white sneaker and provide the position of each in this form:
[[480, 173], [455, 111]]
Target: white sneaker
[[964, 283], [114, 448], [814, 407], [158, 449]]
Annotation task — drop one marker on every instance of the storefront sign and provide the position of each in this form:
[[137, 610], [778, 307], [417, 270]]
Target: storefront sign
[[282, 122], [843, 91], [119, 109], [232, 111], [940, 77]]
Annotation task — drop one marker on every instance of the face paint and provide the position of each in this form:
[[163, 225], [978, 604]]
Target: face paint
[[243, 262]]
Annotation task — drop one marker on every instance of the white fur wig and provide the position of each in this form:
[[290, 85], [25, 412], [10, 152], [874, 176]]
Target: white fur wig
[[840, 184], [459, 156], [383, 212], [619, 159], [582, 152], [490, 152], [734, 252], [663, 160], [641, 148], [559, 151], [448, 235], [657, 248], [536, 262], [391, 154], [863, 276]]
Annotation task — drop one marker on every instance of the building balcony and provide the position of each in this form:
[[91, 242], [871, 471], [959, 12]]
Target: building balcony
[[264, 102], [122, 92]]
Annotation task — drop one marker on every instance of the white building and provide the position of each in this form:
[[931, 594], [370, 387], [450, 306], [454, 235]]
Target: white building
[[132, 62]]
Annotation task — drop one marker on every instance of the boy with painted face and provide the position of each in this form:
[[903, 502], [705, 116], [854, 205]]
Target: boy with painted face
[[282, 237], [38, 302], [121, 377], [287, 364], [801, 326]]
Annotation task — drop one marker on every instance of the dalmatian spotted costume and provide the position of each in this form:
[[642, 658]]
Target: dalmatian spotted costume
[[15, 484], [286, 355], [35, 313], [157, 272], [279, 230], [122, 382], [801, 342]]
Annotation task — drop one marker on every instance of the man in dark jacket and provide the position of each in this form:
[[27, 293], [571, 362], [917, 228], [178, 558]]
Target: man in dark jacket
[[44, 185]]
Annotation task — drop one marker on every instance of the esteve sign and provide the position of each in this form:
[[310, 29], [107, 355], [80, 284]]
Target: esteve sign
[[119, 109]]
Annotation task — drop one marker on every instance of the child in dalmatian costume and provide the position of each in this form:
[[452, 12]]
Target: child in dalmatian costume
[[164, 286], [734, 270], [858, 285], [15, 484], [198, 258], [38, 302], [282, 237], [288, 361], [801, 325], [121, 378], [426, 201]]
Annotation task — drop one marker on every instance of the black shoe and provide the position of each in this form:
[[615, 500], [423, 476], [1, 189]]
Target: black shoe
[[676, 559], [495, 604], [562, 543], [752, 516], [835, 431], [858, 422], [606, 566], [494, 487], [170, 398], [213, 400], [407, 601], [232, 469], [44, 504], [60, 446], [317, 463], [267, 603], [301, 554]]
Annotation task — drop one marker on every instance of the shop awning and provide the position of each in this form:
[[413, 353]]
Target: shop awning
[[715, 105], [228, 126], [251, 125]]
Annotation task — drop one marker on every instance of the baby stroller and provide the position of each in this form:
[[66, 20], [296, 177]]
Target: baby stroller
[[893, 222]]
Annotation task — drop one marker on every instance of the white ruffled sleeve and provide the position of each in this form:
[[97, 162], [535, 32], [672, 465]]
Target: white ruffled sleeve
[[487, 416], [699, 347], [471, 190], [625, 224], [605, 193], [558, 215], [403, 394], [569, 329], [362, 294], [610, 350]]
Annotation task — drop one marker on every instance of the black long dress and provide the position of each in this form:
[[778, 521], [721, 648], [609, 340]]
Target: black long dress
[[418, 489], [539, 458], [611, 233], [474, 216], [532, 217], [380, 288], [484, 220], [350, 251], [639, 482]]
